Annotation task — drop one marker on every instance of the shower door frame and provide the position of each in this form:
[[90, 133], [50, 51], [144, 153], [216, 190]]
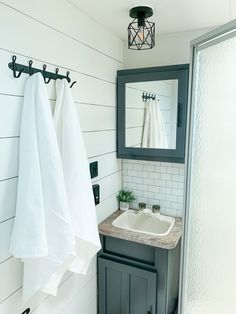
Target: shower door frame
[[211, 38]]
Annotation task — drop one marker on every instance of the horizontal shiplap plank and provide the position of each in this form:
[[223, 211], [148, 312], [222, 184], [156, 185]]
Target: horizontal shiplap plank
[[86, 302], [98, 143], [96, 117], [107, 164], [93, 90], [107, 207], [109, 185], [76, 286], [9, 148], [66, 18], [7, 198], [133, 136], [5, 235], [134, 118], [87, 90], [13, 304], [11, 277], [10, 115], [92, 117], [66, 52], [134, 98]]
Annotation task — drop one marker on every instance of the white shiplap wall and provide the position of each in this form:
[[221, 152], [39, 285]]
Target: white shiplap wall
[[56, 33]]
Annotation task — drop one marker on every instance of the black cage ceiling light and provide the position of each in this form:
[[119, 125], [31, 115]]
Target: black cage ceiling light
[[141, 32]]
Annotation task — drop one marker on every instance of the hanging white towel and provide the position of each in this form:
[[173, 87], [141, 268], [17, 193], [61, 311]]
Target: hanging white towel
[[77, 178], [154, 133], [42, 234]]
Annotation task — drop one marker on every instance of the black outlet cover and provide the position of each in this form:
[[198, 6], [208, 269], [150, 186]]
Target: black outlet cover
[[96, 193], [93, 166]]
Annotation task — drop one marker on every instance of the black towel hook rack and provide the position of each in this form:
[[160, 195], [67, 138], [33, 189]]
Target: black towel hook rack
[[48, 76], [146, 96]]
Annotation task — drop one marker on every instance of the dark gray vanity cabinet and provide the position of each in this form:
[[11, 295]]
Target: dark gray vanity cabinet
[[134, 278], [125, 289]]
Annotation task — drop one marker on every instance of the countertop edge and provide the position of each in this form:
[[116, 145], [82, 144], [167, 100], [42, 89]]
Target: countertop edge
[[168, 242]]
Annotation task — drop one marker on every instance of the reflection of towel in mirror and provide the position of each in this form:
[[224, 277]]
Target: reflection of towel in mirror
[[42, 234], [154, 133], [77, 178]]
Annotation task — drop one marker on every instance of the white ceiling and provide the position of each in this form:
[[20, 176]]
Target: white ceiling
[[169, 15]]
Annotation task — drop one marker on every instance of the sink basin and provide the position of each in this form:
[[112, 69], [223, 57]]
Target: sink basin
[[153, 224]]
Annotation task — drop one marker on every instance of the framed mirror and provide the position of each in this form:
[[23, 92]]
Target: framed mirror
[[152, 113]]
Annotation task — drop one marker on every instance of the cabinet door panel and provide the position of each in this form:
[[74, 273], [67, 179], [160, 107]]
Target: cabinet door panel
[[125, 289], [113, 288]]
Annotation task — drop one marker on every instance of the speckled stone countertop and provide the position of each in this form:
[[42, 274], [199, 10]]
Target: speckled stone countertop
[[168, 242]]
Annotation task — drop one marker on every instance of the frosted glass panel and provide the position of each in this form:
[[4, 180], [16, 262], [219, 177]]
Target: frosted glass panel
[[210, 270]]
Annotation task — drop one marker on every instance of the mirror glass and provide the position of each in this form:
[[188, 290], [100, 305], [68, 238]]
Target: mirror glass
[[151, 114]]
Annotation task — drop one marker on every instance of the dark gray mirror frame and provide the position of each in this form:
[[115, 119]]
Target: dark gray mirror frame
[[172, 72]]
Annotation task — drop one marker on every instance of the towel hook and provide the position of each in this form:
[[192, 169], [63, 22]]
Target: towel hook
[[30, 67], [56, 70], [27, 311], [67, 76], [69, 80], [44, 70], [14, 68], [73, 84]]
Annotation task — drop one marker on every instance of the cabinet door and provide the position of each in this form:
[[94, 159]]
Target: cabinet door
[[125, 289]]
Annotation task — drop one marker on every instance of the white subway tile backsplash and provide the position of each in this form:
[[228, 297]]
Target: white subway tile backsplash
[[172, 184], [148, 194], [173, 170], [165, 190], [143, 187], [178, 178], [148, 181], [160, 169], [154, 175], [172, 198], [165, 176], [153, 188], [138, 167], [178, 192], [160, 182], [148, 168], [132, 173], [127, 178], [156, 183], [143, 174]]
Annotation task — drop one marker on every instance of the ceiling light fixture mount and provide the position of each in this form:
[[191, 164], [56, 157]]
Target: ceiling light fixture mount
[[141, 32]]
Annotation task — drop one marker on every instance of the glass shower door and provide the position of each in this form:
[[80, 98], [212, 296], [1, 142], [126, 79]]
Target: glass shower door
[[209, 264]]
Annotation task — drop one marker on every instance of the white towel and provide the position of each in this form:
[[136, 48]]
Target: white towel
[[42, 234], [154, 133], [77, 178]]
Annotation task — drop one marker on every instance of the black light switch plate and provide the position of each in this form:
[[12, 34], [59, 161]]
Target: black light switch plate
[[93, 166], [96, 193]]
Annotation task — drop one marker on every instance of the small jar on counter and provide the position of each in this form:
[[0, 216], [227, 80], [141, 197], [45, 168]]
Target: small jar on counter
[[156, 209], [141, 206]]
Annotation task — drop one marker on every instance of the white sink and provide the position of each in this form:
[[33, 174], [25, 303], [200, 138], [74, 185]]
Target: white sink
[[154, 224]]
